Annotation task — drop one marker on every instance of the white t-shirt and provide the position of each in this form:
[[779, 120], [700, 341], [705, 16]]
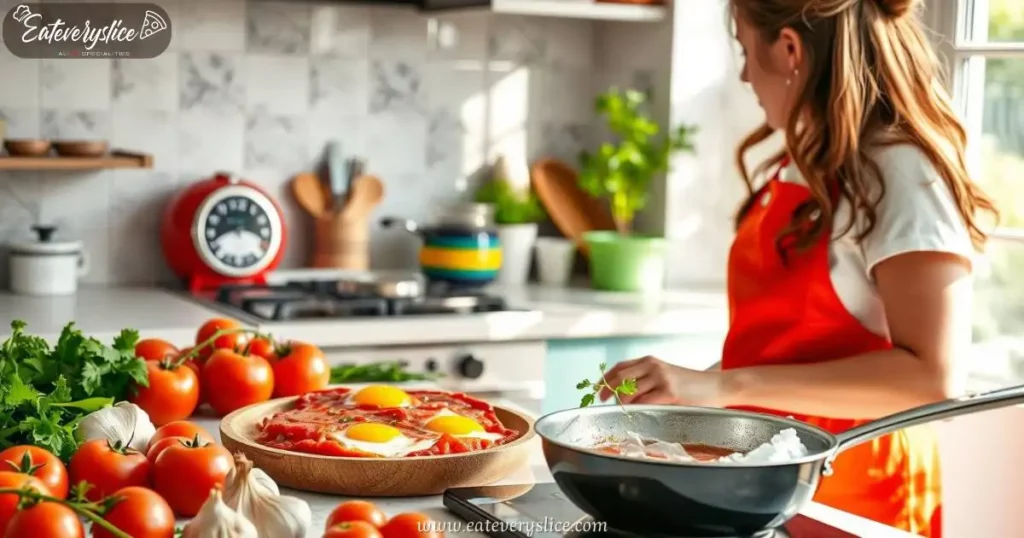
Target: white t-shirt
[[917, 213]]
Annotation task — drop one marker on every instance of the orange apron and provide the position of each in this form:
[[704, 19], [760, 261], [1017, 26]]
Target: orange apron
[[789, 314]]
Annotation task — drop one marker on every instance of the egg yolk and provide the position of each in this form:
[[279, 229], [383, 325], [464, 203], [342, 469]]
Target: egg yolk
[[454, 425], [372, 432], [382, 396]]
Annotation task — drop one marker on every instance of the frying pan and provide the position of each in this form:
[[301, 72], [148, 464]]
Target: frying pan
[[653, 498]]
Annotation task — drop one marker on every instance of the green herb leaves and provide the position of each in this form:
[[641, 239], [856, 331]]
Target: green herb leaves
[[627, 387], [46, 391], [510, 206], [623, 172]]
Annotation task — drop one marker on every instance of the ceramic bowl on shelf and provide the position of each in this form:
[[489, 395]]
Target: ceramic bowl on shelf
[[81, 148], [27, 147]]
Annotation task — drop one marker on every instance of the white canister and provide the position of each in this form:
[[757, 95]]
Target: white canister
[[555, 257], [516, 252], [47, 266]]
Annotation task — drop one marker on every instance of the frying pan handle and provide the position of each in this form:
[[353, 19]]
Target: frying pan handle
[[954, 407]]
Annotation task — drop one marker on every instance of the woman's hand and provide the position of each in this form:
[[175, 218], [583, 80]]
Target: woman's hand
[[658, 382]]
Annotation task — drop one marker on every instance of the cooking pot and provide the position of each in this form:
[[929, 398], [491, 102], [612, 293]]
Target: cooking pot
[[651, 497], [461, 249], [47, 266]]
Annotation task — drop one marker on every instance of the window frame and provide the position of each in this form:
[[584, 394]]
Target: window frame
[[951, 21]]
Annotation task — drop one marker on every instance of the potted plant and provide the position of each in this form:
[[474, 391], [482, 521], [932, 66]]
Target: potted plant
[[516, 214], [622, 173]]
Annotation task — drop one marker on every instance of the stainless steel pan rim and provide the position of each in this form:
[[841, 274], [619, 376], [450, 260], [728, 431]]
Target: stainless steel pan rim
[[833, 442]]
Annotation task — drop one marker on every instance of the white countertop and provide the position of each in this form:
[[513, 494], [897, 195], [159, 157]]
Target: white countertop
[[539, 314], [536, 471]]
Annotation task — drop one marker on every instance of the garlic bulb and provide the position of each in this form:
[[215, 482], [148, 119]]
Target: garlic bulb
[[256, 497], [123, 422], [216, 520]]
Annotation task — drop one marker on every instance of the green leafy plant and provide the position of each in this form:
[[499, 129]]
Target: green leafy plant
[[511, 205], [622, 172], [625, 388]]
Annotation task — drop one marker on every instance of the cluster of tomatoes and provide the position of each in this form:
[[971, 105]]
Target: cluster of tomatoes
[[363, 519], [228, 368], [139, 494]]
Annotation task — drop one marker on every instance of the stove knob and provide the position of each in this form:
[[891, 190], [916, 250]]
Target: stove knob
[[431, 365], [470, 367]]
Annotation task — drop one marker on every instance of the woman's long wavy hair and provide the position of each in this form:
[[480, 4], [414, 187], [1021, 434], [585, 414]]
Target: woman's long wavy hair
[[873, 79]]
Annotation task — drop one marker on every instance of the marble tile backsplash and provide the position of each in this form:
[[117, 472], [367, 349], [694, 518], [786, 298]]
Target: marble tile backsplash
[[260, 87]]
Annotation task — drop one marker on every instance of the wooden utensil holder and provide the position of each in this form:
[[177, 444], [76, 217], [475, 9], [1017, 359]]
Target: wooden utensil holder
[[342, 243]]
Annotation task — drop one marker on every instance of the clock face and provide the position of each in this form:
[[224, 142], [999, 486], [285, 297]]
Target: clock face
[[238, 232]]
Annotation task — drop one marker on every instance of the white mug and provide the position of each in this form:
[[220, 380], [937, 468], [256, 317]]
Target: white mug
[[555, 257]]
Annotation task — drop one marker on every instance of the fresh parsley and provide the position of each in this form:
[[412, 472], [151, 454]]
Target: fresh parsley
[[45, 391], [626, 387]]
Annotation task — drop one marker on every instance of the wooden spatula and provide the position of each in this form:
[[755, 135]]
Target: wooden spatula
[[364, 195], [311, 195], [572, 210]]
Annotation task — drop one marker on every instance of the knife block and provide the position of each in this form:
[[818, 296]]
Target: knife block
[[341, 243]]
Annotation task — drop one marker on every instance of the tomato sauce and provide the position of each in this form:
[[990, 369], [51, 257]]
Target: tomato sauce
[[308, 426]]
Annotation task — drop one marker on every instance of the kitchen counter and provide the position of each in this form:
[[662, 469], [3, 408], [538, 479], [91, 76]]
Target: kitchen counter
[[538, 314], [535, 471], [102, 313]]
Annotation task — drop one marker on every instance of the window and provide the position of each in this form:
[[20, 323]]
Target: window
[[983, 40]]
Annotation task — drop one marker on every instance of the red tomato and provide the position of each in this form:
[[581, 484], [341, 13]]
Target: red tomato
[[108, 467], [411, 525], [193, 362], [154, 349], [352, 529], [261, 347], [232, 381], [179, 428], [357, 511], [41, 464], [140, 513], [172, 394], [301, 369], [9, 501], [156, 448], [225, 341], [45, 520], [184, 474]]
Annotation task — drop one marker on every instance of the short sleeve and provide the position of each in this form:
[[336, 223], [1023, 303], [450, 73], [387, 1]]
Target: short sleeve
[[918, 212]]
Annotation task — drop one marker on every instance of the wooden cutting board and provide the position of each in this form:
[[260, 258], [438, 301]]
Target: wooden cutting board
[[572, 210]]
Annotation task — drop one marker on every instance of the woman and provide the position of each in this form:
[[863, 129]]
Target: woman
[[849, 277]]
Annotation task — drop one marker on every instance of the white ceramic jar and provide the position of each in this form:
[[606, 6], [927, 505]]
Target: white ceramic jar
[[47, 266]]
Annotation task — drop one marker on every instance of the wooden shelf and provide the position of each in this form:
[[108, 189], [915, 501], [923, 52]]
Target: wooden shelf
[[116, 159], [582, 9]]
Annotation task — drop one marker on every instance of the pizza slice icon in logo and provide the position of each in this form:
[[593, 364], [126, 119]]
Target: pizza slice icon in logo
[[152, 24]]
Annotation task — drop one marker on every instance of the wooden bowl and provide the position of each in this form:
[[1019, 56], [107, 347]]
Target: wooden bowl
[[374, 477], [81, 148], [27, 147]]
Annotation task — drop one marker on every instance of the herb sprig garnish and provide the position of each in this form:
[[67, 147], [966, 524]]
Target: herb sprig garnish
[[626, 387]]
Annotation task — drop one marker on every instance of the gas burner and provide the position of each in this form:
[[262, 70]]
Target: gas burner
[[322, 299]]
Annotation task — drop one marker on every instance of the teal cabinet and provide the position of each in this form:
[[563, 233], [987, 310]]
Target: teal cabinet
[[570, 361]]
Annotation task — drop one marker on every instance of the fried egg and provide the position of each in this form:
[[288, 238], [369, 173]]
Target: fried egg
[[383, 396], [380, 439], [457, 425]]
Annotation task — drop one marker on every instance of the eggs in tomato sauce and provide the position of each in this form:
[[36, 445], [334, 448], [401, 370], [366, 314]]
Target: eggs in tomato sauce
[[380, 439], [447, 422], [381, 396]]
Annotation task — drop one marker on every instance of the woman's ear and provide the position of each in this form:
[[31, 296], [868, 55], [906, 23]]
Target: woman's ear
[[789, 50]]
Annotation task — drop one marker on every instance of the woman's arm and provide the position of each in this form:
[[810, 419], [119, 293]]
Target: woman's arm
[[926, 296]]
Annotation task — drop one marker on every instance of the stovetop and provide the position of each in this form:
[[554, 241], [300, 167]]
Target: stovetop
[[326, 299]]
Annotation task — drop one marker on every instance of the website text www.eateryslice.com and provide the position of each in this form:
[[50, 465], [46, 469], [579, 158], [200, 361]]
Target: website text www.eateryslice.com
[[527, 528]]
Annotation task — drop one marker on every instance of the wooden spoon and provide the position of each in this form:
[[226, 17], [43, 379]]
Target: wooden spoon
[[364, 195], [309, 191], [573, 210]]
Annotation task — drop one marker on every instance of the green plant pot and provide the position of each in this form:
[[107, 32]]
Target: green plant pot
[[626, 263]]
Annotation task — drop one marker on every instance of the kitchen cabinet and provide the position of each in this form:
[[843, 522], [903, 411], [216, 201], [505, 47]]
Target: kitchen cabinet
[[570, 361]]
